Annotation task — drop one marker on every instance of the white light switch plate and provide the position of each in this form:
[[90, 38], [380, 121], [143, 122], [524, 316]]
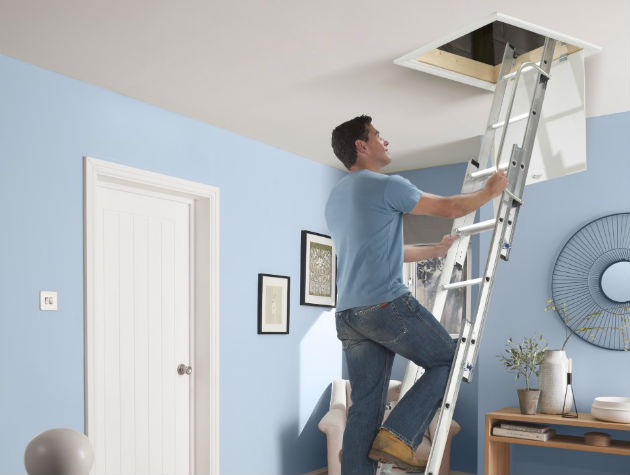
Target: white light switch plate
[[47, 300]]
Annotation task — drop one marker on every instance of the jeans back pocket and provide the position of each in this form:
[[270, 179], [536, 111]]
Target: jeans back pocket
[[380, 322]]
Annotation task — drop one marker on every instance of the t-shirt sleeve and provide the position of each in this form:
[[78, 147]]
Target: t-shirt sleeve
[[400, 194]]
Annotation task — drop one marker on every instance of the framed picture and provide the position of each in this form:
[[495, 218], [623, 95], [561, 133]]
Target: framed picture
[[273, 303], [318, 283]]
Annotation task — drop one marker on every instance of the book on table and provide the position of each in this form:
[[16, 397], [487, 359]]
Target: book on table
[[521, 434], [526, 426]]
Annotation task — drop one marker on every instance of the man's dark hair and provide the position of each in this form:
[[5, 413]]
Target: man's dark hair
[[344, 136]]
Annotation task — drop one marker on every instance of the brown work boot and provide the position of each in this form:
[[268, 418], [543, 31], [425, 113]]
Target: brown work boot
[[387, 448]]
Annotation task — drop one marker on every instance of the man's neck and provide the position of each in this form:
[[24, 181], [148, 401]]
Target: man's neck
[[372, 168]]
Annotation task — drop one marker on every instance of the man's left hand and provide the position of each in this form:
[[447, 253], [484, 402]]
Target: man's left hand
[[446, 242]]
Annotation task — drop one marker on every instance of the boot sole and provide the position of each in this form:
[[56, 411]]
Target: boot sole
[[384, 457]]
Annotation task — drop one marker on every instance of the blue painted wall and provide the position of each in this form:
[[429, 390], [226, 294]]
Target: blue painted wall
[[273, 388], [552, 212]]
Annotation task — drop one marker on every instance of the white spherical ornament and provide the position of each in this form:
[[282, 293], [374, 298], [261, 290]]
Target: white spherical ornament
[[59, 452]]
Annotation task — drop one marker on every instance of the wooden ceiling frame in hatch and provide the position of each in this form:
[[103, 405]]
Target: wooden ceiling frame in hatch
[[472, 55]]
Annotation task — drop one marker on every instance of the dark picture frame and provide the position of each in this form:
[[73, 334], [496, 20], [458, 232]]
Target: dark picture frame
[[274, 300], [318, 270]]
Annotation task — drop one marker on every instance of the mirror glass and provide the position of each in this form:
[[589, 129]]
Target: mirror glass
[[616, 282]]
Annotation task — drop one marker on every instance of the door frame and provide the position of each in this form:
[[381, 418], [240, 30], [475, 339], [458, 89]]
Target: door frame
[[204, 295]]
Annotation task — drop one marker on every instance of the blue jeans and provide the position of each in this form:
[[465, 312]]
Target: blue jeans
[[371, 336]]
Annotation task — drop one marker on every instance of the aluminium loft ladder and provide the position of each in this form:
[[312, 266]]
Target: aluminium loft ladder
[[502, 225]]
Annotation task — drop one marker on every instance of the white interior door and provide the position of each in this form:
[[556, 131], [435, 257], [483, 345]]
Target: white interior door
[[140, 412]]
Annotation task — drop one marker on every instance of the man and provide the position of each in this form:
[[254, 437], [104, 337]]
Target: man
[[376, 315]]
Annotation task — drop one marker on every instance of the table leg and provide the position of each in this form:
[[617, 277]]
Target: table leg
[[497, 454]]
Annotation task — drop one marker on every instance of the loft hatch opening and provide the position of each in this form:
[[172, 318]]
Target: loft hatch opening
[[486, 44], [473, 54]]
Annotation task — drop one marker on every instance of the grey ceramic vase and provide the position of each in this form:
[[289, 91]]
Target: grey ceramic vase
[[59, 452], [528, 400]]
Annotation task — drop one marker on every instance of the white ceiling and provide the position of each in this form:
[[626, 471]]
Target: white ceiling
[[285, 72]]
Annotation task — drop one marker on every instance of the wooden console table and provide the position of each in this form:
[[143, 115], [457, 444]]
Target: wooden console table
[[498, 448]]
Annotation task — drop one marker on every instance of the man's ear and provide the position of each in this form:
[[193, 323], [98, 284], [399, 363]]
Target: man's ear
[[360, 145]]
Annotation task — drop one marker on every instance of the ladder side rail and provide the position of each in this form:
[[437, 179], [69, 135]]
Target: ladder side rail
[[510, 206], [528, 142], [513, 213], [508, 115], [485, 152], [447, 407]]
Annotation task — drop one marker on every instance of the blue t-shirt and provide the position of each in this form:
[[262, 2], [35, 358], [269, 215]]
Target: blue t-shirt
[[364, 215]]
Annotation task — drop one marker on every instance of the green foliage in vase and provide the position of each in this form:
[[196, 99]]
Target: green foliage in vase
[[584, 327], [524, 358]]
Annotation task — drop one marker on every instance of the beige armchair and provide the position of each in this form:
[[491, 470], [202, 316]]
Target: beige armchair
[[334, 422]]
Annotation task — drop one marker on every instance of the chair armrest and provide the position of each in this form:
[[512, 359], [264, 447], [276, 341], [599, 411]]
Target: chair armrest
[[333, 425], [453, 430], [333, 422], [338, 394]]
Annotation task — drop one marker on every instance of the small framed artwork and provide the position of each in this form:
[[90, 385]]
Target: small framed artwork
[[273, 303], [318, 283]]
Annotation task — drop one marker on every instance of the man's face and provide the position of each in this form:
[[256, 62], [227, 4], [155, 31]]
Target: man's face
[[376, 148]]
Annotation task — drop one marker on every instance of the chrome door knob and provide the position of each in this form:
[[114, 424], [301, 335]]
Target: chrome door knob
[[184, 369]]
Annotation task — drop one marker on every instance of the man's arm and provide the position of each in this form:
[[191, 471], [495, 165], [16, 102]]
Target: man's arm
[[421, 253], [460, 205]]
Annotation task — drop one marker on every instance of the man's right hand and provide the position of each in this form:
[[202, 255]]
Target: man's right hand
[[496, 184], [460, 205]]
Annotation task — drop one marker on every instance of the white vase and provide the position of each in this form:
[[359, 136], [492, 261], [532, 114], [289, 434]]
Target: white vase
[[553, 383]]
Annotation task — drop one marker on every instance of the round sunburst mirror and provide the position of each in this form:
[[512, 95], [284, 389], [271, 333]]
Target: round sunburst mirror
[[591, 282]]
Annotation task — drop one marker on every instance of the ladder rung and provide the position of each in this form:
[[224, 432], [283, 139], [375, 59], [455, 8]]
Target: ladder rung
[[488, 171], [463, 283], [476, 227], [532, 65], [514, 119], [513, 73]]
